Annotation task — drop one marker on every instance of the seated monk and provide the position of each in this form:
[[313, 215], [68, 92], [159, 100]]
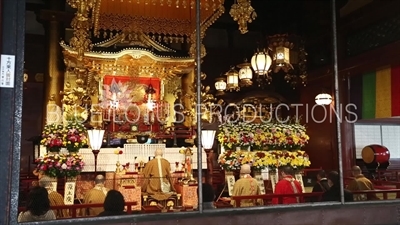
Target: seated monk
[[157, 177], [95, 195], [56, 199], [246, 186]]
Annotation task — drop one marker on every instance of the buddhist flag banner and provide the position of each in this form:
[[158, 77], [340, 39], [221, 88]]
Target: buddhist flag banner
[[377, 94]]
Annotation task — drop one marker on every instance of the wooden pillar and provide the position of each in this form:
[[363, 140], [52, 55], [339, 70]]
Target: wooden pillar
[[54, 74], [210, 166], [188, 97], [347, 129]]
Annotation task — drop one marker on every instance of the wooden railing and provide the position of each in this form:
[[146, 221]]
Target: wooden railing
[[74, 208], [268, 197], [383, 192], [316, 196]]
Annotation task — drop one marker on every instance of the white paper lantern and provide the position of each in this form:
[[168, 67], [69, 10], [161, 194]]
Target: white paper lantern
[[323, 99]]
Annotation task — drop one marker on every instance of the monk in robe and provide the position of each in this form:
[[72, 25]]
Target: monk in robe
[[157, 177], [361, 183], [287, 185], [245, 186], [96, 195], [56, 199]]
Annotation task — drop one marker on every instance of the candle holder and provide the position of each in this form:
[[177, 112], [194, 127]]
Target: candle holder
[[176, 166], [141, 166], [183, 166], [118, 169]]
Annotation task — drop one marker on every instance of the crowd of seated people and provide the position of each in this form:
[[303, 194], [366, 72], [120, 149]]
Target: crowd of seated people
[[328, 185], [42, 197]]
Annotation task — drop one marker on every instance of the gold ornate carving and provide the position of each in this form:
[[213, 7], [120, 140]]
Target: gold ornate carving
[[131, 62], [207, 101], [127, 39], [243, 13], [81, 24], [75, 101], [167, 20]]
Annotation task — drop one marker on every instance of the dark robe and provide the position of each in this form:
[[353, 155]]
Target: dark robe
[[333, 194], [321, 186]]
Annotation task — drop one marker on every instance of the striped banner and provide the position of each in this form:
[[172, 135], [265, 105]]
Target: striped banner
[[377, 94]]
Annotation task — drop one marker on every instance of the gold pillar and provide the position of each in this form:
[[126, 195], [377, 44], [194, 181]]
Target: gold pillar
[[96, 118], [53, 76], [188, 97]]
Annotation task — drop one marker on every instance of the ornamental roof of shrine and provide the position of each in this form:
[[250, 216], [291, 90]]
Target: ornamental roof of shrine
[[132, 53], [131, 43], [173, 20]]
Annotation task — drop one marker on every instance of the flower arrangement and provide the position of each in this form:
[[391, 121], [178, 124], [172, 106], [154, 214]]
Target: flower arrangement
[[229, 161], [71, 165], [300, 161], [259, 160], [245, 157], [228, 136], [52, 137], [264, 136], [273, 159], [60, 165], [74, 136]]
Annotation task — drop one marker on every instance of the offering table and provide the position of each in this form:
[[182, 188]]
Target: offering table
[[130, 182]]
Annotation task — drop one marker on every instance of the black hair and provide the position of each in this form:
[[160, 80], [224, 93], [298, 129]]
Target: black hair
[[38, 201], [322, 173], [114, 201], [287, 170], [208, 193], [334, 177]]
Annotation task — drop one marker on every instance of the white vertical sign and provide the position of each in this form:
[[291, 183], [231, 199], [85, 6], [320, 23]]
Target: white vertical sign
[[230, 180], [7, 73]]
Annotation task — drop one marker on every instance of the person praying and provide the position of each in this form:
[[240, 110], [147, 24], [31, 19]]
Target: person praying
[[96, 195], [157, 177], [333, 194], [38, 206], [361, 183], [56, 199], [114, 204], [287, 185], [245, 186], [322, 182]]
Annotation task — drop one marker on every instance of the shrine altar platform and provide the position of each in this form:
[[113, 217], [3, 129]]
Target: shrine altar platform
[[130, 181], [136, 153]]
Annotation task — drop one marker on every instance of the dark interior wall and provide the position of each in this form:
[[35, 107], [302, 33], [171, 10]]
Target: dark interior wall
[[32, 98], [322, 146], [320, 123]]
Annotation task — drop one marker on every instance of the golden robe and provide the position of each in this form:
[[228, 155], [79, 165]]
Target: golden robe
[[246, 186], [56, 199], [152, 183], [94, 196], [361, 183]]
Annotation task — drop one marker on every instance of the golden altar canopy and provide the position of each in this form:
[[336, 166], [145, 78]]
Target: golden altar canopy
[[167, 20], [131, 54]]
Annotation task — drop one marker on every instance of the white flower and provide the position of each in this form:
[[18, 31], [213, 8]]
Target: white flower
[[64, 166]]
